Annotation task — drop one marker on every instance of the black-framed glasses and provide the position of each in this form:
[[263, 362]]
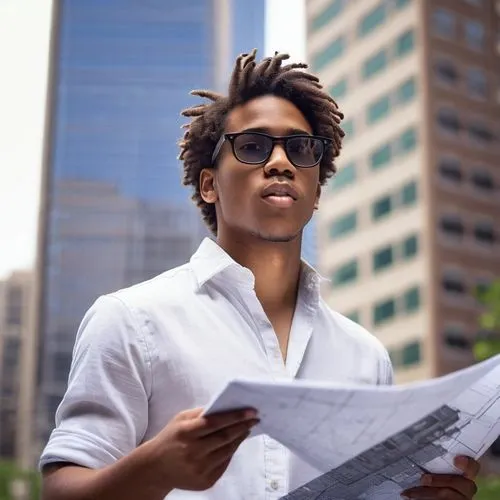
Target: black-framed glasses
[[253, 148]]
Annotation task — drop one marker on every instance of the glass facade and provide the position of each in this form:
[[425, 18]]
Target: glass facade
[[117, 212]]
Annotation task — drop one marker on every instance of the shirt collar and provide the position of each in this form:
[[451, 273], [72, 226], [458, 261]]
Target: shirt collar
[[210, 260]]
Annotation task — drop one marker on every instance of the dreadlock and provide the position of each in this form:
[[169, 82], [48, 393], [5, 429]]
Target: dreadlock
[[248, 81]]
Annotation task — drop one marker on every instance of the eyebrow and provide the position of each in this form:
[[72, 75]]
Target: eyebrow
[[266, 130]]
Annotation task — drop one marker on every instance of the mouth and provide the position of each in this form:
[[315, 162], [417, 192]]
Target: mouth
[[282, 201], [280, 194]]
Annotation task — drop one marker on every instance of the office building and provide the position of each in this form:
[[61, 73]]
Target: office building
[[15, 303], [113, 210], [410, 226]]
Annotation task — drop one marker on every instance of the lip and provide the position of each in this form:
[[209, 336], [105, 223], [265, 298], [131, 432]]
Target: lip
[[280, 189]]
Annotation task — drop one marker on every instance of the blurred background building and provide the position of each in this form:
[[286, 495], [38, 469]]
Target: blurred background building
[[15, 330], [113, 210], [410, 226]]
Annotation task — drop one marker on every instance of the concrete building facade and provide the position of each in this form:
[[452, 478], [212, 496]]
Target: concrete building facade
[[409, 228]]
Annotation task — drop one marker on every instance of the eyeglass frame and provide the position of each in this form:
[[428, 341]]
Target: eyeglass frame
[[231, 137]]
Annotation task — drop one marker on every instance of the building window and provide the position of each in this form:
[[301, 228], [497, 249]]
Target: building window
[[449, 169], [348, 128], [333, 9], [448, 121], [400, 4], [383, 258], [411, 354], [406, 91], [344, 177], [374, 19], [345, 274], [374, 64], [479, 132], [381, 156], [443, 23], [455, 338], [332, 51], [381, 207], [383, 311], [407, 141], [409, 193], [446, 72], [378, 109], [354, 316], [483, 180], [476, 83], [339, 89], [14, 303], [452, 225], [410, 246], [474, 35], [411, 300], [453, 283], [485, 232], [405, 43], [343, 225]]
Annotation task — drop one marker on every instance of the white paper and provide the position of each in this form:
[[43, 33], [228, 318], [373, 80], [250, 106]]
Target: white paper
[[373, 441]]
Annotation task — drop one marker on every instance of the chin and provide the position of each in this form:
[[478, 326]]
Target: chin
[[277, 236]]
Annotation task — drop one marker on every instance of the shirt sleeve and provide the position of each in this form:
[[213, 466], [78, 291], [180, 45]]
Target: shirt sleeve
[[104, 413], [386, 372]]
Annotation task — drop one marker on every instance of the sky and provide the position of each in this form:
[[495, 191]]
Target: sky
[[24, 41]]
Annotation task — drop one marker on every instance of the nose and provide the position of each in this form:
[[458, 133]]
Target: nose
[[278, 163]]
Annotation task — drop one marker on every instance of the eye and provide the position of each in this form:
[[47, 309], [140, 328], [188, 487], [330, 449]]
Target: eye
[[300, 145], [250, 146]]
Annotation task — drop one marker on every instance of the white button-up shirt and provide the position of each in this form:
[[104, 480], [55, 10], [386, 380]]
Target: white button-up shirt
[[147, 352]]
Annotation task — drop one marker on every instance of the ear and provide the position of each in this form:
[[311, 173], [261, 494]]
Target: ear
[[318, 196], [208, 185]]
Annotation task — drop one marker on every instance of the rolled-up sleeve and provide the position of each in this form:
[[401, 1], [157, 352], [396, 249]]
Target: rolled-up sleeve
[[386, 372], [104, 413]]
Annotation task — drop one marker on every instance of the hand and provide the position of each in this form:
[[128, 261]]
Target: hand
[[448, 486], [192, 452]]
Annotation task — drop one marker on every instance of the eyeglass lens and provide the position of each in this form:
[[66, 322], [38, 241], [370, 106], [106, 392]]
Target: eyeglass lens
[[302, 151]]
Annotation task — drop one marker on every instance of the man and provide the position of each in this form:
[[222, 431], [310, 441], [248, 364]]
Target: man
[[148, 358]]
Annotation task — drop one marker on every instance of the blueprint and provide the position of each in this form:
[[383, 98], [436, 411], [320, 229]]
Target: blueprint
[[371, 442]]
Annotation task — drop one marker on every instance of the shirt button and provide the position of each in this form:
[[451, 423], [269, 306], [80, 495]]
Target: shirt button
[[275, 484]]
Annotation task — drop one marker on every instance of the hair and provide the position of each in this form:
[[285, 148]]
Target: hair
[[248, 81]]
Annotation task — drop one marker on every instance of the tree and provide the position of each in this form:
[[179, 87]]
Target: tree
[[488, 342], [9, 473]]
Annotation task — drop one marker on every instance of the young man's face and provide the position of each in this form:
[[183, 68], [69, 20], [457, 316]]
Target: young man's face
[[243, 193]]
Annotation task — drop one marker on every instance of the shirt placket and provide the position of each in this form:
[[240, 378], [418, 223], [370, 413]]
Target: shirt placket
[[275, 454]]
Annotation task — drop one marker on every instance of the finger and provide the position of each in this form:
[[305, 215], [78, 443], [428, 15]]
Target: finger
[[225, 453], [203, 426], [468, 466], [217, 472], [225, 436], [431, 493], [461, 484], [190, 414], [215, 423]]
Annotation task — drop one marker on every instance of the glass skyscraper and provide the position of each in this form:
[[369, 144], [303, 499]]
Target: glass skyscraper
[[113, 209]]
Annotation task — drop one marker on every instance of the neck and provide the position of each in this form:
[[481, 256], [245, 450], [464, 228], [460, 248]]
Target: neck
[[276, 267]]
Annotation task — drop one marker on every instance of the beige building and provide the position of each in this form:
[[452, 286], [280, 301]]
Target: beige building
[[410, 226], [15, 296]]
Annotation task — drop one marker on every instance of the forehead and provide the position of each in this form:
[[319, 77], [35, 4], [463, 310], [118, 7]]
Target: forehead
[[276, 115]]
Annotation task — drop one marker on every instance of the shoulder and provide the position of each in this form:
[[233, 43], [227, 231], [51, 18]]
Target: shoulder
[[123, 315], [173, 286], [364, 341]]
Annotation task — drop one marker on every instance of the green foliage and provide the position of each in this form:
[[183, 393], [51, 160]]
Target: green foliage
[[489, 489], [489, 345], [9, 472]]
